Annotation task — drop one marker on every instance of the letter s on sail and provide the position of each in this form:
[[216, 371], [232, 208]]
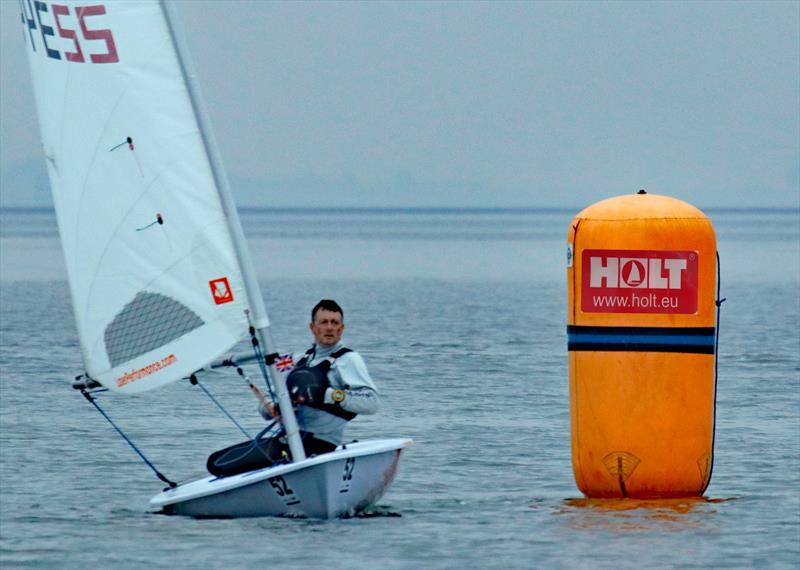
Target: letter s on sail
[[47, 18]]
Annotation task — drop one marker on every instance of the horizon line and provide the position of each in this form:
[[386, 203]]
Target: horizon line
[[449, 210]]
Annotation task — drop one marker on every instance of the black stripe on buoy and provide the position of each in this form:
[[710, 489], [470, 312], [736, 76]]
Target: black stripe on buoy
[[696, 340]]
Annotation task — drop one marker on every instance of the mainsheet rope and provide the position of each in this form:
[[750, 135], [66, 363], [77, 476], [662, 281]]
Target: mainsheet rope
[[235, 454], [158, 473], [254, 441], [195, 382]]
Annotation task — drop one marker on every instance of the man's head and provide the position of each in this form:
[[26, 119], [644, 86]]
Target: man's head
[[327, 323]]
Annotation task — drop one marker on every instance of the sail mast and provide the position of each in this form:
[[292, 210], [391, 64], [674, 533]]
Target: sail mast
[[260, 318]]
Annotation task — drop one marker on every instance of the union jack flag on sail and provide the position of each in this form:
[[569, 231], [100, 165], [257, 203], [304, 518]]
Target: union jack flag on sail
[[284, 363]]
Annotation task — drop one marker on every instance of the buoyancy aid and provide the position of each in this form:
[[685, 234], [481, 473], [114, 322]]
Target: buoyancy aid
[[317, 375]]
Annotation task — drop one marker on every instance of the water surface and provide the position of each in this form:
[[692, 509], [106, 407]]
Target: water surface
[[461, 318]]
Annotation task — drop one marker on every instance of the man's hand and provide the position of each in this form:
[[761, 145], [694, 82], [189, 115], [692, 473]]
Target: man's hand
[[269, 411]]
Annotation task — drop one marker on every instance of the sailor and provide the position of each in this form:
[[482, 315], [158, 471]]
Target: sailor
[[330, 386], [329, 383]]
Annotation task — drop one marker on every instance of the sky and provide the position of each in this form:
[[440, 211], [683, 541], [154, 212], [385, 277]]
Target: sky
[[475, 104]]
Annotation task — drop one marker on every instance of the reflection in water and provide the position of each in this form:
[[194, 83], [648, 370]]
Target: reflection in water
[[633, 515]]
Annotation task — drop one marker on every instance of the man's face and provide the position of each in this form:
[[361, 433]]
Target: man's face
[[327, 328]]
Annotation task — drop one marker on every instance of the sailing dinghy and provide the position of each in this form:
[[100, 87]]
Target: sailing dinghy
[[160, 277]]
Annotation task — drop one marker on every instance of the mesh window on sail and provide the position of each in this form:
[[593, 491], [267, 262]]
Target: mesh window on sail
[[149, 321]]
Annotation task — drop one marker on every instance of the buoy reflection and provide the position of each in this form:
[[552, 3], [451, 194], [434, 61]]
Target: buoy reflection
[[630, 515]]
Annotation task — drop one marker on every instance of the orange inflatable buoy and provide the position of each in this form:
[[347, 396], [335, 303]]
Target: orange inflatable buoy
[[641, 272]]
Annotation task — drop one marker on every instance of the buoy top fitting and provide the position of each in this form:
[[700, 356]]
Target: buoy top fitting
[[640, 206]]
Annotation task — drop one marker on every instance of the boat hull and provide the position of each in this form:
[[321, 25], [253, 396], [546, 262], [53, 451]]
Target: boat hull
[[336, 484]]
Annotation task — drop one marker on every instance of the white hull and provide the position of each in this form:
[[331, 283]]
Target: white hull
[[340, 483]]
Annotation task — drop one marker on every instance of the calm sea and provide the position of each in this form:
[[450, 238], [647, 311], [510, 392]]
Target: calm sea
[[461, 318]]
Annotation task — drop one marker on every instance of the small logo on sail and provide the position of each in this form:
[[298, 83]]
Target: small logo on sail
[[221, 290]]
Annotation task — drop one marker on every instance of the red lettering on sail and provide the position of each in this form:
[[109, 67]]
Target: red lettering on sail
[[41, 15], [134, 375], [77, 55], [111, 48]]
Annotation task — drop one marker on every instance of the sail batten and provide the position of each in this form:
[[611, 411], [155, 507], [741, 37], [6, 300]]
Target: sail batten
[[157, 287]]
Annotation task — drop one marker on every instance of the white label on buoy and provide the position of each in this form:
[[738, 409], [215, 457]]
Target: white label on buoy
[[570, 255], [639, 281]]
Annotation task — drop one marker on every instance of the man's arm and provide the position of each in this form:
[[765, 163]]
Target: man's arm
[[356, 400], [352, 387]]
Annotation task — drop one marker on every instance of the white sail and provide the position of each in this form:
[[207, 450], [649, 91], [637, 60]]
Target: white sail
[[156, 287]]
